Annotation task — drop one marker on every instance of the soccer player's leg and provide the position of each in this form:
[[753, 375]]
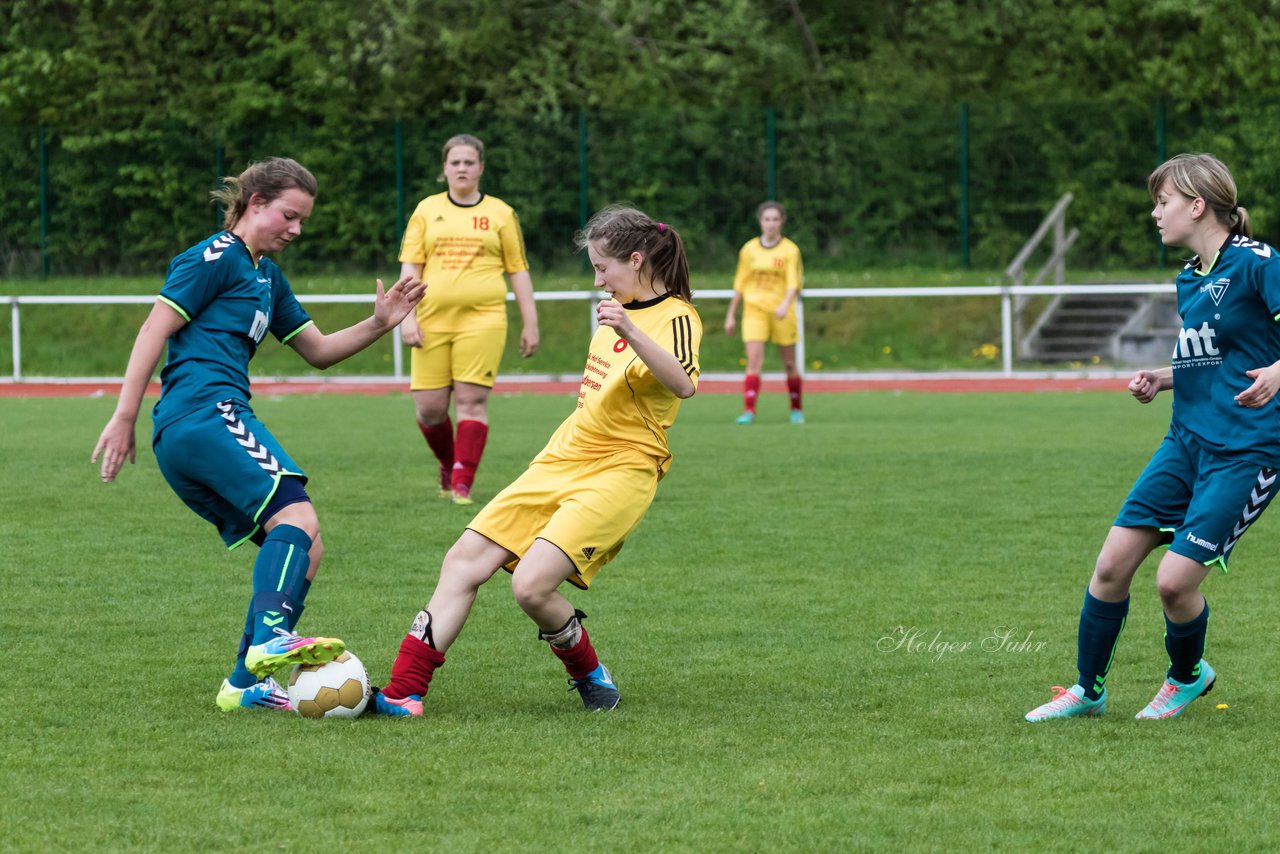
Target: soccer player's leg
[[279, 580], [1102, 620], [431, 386], [469, 564], [476, 356], [1229, 496], [535, 585], [755, 332], [785, 335], [227, 467], [599, 504]]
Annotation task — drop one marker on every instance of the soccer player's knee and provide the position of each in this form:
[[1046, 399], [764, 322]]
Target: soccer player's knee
[[530, 591], [464, 570]]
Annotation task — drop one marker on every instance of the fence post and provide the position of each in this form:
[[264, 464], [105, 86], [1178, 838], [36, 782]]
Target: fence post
[[16, 335], [771, 141], [399, 183], [1160, 158], [219, 170], [584, 211], [44, 214], [964, 184], [1006, 330]]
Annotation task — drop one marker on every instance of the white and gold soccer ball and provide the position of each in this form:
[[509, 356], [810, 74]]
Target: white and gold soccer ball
[[339, 689]]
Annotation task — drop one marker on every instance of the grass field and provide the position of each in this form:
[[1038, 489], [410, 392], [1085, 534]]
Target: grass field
[[826, 637]]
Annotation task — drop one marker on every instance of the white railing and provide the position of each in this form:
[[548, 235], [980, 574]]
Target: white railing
[[1005, 293]]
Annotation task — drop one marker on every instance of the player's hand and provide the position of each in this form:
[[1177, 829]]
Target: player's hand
[[730, 324], [1263, 391], [529, 341], [393, 305], [611, 313], [1144, 386], [781, 313], [115, 444]]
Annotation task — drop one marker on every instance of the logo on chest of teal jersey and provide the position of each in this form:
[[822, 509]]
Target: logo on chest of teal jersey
[[1216, 289]]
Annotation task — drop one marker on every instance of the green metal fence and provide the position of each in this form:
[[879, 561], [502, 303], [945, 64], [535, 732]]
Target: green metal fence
[[866, 183]]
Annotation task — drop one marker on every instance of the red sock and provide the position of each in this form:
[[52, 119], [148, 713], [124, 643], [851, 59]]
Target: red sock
[[580, 659], [470, 447], [793, 388], [440, 440], [412, 670], [750, 391]]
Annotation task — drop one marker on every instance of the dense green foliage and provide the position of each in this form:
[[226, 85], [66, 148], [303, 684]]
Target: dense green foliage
[[143, 105], [771, 636]]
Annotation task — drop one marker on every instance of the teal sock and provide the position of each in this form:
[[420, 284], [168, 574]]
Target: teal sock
[[1185, 644], [1100, 626], [282, 561], [299, 602]]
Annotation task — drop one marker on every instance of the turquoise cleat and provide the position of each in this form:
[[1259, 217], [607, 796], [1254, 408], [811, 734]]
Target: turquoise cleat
[[797, 416], [1068, 703], [1174, 697], [747, 418], [267, 694], [287, 649]]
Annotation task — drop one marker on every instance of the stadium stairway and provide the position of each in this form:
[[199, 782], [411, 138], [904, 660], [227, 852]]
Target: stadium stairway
[[1119, 329]]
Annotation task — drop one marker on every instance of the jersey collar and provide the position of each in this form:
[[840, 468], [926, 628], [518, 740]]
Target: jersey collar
[[649, 303]]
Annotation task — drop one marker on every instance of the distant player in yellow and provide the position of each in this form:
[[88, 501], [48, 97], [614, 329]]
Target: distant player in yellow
[[584, 494], [770, 275], [461, 242]]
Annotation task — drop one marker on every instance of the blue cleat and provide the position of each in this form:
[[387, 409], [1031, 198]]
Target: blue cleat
[[797, 416], [1174, 697], [1068, 703], [599, 693], [287, 649], [267, 694], [747, 418]]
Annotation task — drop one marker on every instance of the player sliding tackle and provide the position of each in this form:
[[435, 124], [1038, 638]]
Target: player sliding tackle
[[220, 299], [588, 489]]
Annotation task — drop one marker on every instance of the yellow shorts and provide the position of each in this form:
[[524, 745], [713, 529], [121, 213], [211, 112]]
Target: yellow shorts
[[761, 325], [448, 357], [584, 508]]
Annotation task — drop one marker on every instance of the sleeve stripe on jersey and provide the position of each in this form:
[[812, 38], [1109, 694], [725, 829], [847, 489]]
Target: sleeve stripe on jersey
[[173, 305], [682, 333], [285, 339]]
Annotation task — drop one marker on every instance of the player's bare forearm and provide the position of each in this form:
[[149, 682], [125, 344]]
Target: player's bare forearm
[[390, 308], [522, 287]]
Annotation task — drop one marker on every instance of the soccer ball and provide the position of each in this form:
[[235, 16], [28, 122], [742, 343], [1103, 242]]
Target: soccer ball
[[339, 689]]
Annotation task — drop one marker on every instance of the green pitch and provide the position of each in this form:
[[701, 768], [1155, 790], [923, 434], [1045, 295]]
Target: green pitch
[[826, 637]]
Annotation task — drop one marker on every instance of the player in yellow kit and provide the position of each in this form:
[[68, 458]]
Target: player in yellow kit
[[461, 242], [580, 498], [770, 275]]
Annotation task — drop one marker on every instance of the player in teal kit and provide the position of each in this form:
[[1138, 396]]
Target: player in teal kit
[[1216, 470], [220, 299]]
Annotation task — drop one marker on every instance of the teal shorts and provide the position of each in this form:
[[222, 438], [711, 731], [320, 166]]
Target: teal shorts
[[1202, 502], [227, 467]]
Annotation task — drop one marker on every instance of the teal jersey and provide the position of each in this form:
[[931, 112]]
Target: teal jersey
[[229, 303], [1229, 326]]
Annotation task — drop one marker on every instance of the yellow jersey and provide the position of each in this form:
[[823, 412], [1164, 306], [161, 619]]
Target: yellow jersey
[[621, 404], [765, 274], [466, 249]]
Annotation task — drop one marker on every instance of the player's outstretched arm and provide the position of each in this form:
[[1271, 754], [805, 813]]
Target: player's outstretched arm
[[665, 367], [389, 308], [118, 440], [410, 330], [1265, 383], [1145, 385]]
